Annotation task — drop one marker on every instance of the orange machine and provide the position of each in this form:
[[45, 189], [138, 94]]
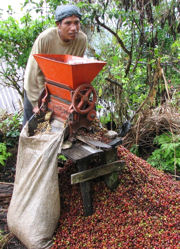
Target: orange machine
[[68, 93]]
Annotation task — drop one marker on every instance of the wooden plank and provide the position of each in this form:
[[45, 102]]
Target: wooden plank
[[78, 152], [6, 183], [93, 143], [96, 172], [84, 140], [115, 142]]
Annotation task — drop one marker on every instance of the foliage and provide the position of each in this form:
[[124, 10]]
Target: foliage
[[167, 157], [130, 35], [3, 154], [139, 42], [61, 158], [10, 129], [16, 40], [135, 149]]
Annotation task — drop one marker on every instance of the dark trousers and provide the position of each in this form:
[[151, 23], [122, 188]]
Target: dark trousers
[[28, 109]]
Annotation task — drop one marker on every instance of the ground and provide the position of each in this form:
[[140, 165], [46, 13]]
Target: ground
[[143, 212]]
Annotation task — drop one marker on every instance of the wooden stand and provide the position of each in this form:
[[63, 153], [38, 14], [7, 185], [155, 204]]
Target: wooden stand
[[83, 155]]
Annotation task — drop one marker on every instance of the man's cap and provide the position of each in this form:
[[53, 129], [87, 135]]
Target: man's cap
[[64, 11]]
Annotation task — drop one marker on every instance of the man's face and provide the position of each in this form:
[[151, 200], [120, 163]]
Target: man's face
[[69, 28]]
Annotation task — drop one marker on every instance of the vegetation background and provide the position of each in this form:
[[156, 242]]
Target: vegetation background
[[138, 89], [140, 42]]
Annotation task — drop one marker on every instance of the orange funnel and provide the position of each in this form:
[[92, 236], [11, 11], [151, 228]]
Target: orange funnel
[[69, 70]]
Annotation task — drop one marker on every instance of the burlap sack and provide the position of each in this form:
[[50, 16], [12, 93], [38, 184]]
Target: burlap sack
[[35, 205]]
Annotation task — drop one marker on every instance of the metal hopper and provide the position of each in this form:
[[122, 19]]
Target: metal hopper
[[69, 94], [69, 70]]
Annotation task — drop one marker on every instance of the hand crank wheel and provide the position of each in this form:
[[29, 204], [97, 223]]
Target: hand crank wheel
[[84, 98]]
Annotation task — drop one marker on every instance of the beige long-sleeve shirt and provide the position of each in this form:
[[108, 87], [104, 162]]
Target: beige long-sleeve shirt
[[48, 42]]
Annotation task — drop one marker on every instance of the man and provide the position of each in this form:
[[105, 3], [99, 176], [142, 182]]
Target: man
[[66, 38]]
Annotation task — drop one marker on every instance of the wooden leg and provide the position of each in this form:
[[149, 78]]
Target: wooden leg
[[111, 180], [87, 199], [85, 191]]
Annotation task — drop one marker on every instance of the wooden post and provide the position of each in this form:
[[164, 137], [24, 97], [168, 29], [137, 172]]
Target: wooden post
[[85, 190], [111, 180]]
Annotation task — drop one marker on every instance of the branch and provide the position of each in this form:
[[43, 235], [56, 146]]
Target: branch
[[137, 60], [11, 81], [165, 82], [114, 82], [131, 51], [143, 103], [162, 64], [115, 34], [177, 70]]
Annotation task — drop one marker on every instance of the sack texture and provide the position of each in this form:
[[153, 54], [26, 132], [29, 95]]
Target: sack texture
[[35, 205]]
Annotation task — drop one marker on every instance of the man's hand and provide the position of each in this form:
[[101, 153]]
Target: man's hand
[[36, 109]]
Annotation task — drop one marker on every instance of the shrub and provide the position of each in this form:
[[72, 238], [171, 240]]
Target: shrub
[[3, 154], [10, 129], [167, 156]]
